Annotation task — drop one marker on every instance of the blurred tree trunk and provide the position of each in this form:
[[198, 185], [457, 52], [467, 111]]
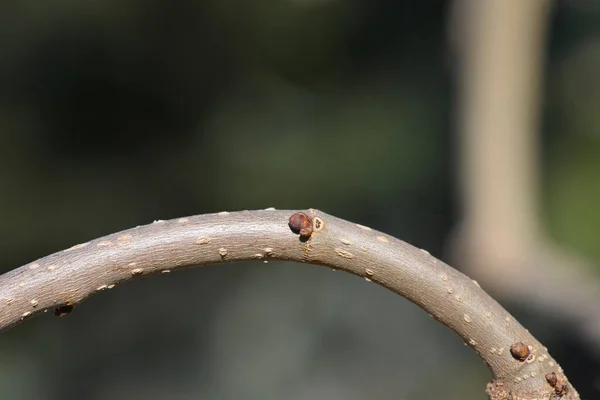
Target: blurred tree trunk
[[500, 55], [500, 242]]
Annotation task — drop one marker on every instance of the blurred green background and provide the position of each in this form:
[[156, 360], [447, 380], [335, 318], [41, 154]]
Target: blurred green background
[[117, 113]]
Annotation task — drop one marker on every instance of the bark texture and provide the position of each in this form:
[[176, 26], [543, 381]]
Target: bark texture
[[519, 363]]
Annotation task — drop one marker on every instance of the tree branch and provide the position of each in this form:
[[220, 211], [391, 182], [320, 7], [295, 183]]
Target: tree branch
[[518, 362]]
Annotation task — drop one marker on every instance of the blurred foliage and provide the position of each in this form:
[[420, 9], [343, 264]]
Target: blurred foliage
[[572, 128]]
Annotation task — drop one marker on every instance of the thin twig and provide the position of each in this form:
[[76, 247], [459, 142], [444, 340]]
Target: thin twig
[[64, 279]]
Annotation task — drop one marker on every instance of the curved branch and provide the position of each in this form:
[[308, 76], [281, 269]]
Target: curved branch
[[64, 279]]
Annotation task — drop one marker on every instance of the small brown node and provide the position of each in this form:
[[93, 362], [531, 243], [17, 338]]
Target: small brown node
[[551, 379], [519, 351], [63, 310], [301, 224], [561, 388]]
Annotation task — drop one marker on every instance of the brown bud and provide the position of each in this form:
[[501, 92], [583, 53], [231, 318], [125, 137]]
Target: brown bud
[[301, 223], [561, 389], [519, 351], [551, 379], [63, 310]]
